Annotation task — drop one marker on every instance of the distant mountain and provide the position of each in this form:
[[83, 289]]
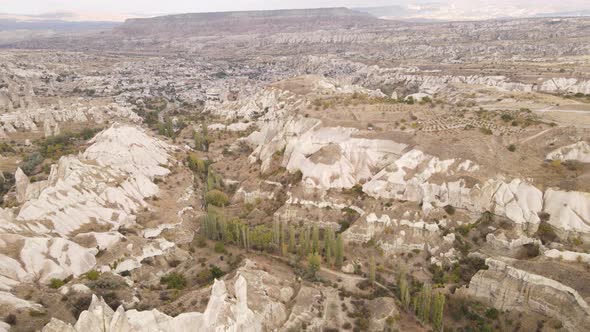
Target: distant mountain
[[269, 21], [466, 11], [7, 24], [15, 28]]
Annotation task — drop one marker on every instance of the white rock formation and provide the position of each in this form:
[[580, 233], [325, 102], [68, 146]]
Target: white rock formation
[[31, 119], [105, 185], [517, 200], [224, 312], [39, 259], [577, 152], [331, 158], [273, 136], [328, 157], [268, 104], [569, 211], [507, 288], [568, 256]]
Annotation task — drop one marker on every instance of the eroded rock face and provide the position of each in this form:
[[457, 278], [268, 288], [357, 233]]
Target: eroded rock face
[[105, 185], [331, 158], [577, 152], [49, 119], [40, 259], [408, 179], [569, 211], [268, 104], [507, 288], [252, 306]]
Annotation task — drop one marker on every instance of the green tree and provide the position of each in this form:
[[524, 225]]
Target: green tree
[[339, 254], [261, 237], [216, 198], [276, 233], [372, 270], [314, 262], [304, 246], [316, 239], [328, 255], [438, 307], [174, 280], [291, 238], [404, 291], [425, 302], [202, 139]]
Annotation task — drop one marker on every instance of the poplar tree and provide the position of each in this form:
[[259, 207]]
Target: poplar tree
[[276, 233], [329, 255], [404, 291], [291, 238], [314, 262], [425, 301], [339, 251], [316, 239], [304, 242], [438, 307], [372, 269]]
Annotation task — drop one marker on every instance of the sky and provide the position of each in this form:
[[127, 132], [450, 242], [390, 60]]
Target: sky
[[120, 9], [35, 7]]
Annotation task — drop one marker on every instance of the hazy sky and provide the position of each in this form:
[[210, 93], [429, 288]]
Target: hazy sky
[[169, 6], [151, 7]]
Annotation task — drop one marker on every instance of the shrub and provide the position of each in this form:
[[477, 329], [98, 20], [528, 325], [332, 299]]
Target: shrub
[[546, 233], [506, 117], [216, 272], [216, 198], [450, 210], [79, 305], [5, 147], [201, 241], [174, 280], [10, 319], [92, 275], [56, 283], [220, 248], [204, 276], [556, 164], [313, 265], [492, 313], [511, 147], [486, 131], [31, 162]]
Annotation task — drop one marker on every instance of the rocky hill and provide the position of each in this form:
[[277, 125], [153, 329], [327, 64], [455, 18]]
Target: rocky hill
[[248, 22]]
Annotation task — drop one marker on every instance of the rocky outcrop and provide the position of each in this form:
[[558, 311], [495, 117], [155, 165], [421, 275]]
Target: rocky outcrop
[[268, 104], [507, 288], [569, 212], [40, 259], [330, 157], [253, 305], [517, 200], [407, 179], [105, 185], [273, 136], [576, 152], [49, 119], [250, 22]]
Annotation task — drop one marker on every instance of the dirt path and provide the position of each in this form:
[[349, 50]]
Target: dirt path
[[535, 136], [350, 281]]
